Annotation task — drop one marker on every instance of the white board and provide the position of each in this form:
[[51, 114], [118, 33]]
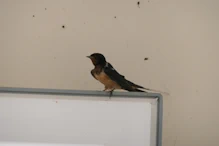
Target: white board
[[93, 119]]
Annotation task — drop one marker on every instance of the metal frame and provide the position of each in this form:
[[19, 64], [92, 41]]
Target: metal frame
[[97, 93]]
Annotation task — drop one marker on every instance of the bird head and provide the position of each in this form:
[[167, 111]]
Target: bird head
[[97, 59]]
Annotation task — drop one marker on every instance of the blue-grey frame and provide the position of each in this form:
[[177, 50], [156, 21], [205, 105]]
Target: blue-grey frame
[[97, 93]]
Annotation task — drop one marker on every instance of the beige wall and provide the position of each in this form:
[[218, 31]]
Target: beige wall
[[180, 38]]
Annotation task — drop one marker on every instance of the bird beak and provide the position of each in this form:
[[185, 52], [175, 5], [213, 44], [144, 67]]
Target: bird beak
[[88, 56]]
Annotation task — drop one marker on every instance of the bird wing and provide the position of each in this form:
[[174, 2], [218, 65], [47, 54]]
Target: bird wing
[[125, 84], [118, 78], [135, 85], [92, 73]]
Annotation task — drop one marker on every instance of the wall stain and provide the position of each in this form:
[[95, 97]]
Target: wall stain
[[63, 26], [138, 3], [45, 8], [146, 58], [115, 17]]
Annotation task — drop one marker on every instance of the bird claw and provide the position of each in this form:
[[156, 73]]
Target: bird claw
[[111, 93]]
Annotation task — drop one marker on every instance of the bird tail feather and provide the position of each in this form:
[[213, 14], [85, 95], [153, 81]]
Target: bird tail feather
[[148, 89], [153, 90], [136, 90]]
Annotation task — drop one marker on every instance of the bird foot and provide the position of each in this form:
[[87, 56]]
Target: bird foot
[[111, 93]]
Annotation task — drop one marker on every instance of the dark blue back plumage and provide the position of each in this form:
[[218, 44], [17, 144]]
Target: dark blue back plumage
[[120, 79]]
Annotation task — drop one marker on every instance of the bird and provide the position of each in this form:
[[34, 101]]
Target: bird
[[106, 74]]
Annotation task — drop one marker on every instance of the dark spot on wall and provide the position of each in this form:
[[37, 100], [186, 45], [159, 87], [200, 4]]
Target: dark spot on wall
[[63, 26], [146, 58], [138, 3], [45, 8], [33, 15], [115, 17]]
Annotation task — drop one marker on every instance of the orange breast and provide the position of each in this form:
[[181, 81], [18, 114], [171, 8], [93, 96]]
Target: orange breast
[[104, 79]]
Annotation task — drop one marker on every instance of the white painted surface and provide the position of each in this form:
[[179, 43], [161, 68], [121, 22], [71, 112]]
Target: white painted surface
[[77, 120]]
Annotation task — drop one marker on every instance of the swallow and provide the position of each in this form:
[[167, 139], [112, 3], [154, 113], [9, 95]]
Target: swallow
[[105, 73]]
